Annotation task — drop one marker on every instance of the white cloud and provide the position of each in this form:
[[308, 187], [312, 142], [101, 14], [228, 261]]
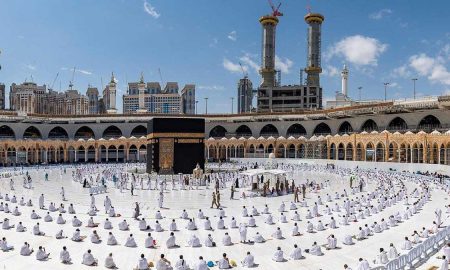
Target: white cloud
[[151, 10], [214, 42], [30, 67], [432, 68], [359, 50], [402, 72], [248, 61], [330, 71], [211, 87], [82, 71], [232, 35], [283, 64], [233, 67], [380, 14]]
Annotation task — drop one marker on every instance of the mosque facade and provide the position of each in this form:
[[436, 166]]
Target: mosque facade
[[416, 132]]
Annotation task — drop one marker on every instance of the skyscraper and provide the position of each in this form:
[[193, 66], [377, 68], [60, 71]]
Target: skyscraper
[[245, 95]]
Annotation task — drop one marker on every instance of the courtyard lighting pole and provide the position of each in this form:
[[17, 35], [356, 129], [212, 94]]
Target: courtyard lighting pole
[[359, 90], [196, 105], [206, 105], [414, 82], [232, 103], [385, 90]]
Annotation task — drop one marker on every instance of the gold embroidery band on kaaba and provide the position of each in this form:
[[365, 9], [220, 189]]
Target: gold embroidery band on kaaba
[[175, 135]]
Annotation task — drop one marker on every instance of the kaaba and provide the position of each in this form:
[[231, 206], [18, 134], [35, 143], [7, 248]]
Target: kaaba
[[175, 145]]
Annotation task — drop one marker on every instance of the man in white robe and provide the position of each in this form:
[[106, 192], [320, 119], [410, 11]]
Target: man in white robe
[[109, 262], [296, 253], [25, 250], [382, 257], [181, 264], [143, 263], [201, 264], [64, 256], [111, 240], [249, 261], [130, 242], [243, 232], [406, 245], [226, 240], [41, 255], [278, 256], [224, 262], [149, 242], [194, 241], [315, 250], [88, 259], [170, 243], [362, 265]]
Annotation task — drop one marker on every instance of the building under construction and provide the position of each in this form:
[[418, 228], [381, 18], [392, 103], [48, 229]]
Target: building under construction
[[274, 97]]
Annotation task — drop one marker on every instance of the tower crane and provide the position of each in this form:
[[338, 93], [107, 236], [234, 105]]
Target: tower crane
[[160, 76], [243, 71], [275, 10], [73, 77], [53, 83]]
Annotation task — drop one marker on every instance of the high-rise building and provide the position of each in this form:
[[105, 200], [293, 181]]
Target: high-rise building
[[245, 95], [92, 94], [30, 98], [188, 99], [144, 97], [272, 95], [2, 96], [109, 95]]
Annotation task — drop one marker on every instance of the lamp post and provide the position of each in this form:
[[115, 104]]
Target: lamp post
[[196, 102], [232, 104], [385, 90], [414, 83], [359, 90], [206, 105]]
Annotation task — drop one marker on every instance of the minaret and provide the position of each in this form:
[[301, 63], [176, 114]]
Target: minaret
[[141, 89], [344, 76], [269, 24], [313, 66], [112, 94]]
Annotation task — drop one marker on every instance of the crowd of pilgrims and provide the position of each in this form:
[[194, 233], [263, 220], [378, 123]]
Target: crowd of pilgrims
[[332, 212]]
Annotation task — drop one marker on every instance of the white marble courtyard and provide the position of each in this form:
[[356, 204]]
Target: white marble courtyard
[[175, 200]]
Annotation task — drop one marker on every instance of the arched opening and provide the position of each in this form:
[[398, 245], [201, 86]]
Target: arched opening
[[429, 123], [103, 153], [447, 154], [7, 133], [369, 126], [240, 151], [345, 128], [260, 151], [80, 157], [133, 154], [397, 124], [402, 153], [231, 151], [60, 154], [434, 154], [291, 151], [112, 132], [51, 155], [222, 153], [442, 154], [251, 151], [12, 157], [143, 153], [409, 153], [91, 154], [32, 133], [370, 152], [360, 152], [269, 130], [332, 151], [121, 153], [380, 153], [341, 152], [281, 151], [322, 129], [243, 131], [71, 154], [217, 132], [393, 152], [301, 151], [349, 152], [112, 154], [139, 131], [415, 153], [296, 130], [85, 133], [58, 133], [212, 152]]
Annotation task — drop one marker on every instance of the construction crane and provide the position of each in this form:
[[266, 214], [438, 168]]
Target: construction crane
[[160, 76], [243, 70], [53, 83], [275, 10], [73, 77]]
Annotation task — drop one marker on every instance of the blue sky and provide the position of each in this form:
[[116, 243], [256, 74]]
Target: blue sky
[[203, 41]]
